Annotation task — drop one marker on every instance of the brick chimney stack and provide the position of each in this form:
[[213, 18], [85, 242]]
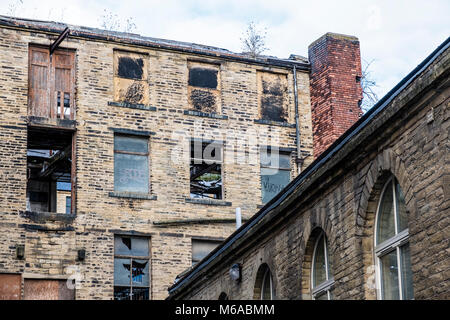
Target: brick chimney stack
[[335, 82]]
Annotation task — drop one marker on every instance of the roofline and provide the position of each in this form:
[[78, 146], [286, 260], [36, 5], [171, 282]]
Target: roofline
[[136, 40], [321, 160]]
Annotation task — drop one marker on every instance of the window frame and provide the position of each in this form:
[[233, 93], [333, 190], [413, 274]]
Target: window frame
[[328, 284], [394, 243], [121, 256], [221, 162], [143, 154], [261, 166], [267, 273]]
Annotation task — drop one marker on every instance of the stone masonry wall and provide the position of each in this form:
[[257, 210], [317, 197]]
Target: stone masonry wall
[[51, 246], [413, 147]]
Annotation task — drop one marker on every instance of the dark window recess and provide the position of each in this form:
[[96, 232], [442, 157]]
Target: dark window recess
[[130, 68], [49, 166], [131, 268], [203, 100], [206, 170], [275, 173], [203, 78], [131, 169], [272, 101]]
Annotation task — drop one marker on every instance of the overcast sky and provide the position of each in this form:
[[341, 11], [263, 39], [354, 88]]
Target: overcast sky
[[396, 35]]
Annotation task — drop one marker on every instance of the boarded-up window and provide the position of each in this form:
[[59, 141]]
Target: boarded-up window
[[51, 83], [273, 97], [201, 248], [10, 286], [48, 290], [206, 169], [204, 87], [131, 268], [275, 172], [130, 77], [131, 167]]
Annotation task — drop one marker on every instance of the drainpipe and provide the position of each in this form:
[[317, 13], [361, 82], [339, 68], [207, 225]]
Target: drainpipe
[[238, 218], [299, 159]]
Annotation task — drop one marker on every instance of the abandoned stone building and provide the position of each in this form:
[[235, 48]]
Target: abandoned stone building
[[368, 219], [125, 158]]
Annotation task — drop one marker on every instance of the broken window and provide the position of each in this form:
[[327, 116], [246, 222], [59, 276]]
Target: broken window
[[203, 87], [201, 248], [275, 172], [131, 167], [130, 77], [206, 169], [51, 83], [131, 268], [50, 170], [273, 98]]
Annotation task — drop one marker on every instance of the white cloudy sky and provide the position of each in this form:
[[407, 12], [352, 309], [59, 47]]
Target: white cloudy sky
[[396, 34]]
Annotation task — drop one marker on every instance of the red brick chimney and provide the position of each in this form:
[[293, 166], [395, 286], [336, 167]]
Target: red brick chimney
[[336, 91]]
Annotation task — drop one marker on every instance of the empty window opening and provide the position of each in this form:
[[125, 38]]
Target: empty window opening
[[273, 96], [206, 169], [275, 172], [51, 83], [201, 248], [50, 171], [130, 77], [131, 268], [131, 166], [203, 87]]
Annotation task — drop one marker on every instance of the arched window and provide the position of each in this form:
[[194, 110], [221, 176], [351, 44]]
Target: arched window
[[321, 279], [391, 245], [267, 287], [264, 289]]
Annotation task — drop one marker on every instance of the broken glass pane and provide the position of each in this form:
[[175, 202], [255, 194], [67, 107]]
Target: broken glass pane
[[140, 273], [122, 293], [206, 180], [122, 271], [140, 294]]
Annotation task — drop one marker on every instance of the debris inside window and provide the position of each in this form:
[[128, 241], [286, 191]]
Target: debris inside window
[[49, 170], [203, 87], [273, 96], [206, 170]]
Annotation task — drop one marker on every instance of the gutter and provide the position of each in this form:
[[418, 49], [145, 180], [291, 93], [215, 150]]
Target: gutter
[[299, 160], [323, 158]]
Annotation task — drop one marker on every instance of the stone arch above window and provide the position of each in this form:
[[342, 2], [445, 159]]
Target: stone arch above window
[[264, 286], [391, 243], [317, 275]]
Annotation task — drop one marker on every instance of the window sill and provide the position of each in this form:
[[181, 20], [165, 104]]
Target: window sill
[[131, 105], [36, 216], [209, 202], [132, 195], [205, 115], [274, 123]]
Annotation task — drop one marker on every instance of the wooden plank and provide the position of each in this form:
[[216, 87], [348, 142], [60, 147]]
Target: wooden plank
[[10, 286]]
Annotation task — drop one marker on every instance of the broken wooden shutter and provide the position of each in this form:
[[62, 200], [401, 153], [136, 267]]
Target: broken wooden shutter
[[38, 87], [63, 85]]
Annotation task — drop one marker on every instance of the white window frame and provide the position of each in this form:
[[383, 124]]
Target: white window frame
[[267, 273], [389, 245], [327, 285]]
